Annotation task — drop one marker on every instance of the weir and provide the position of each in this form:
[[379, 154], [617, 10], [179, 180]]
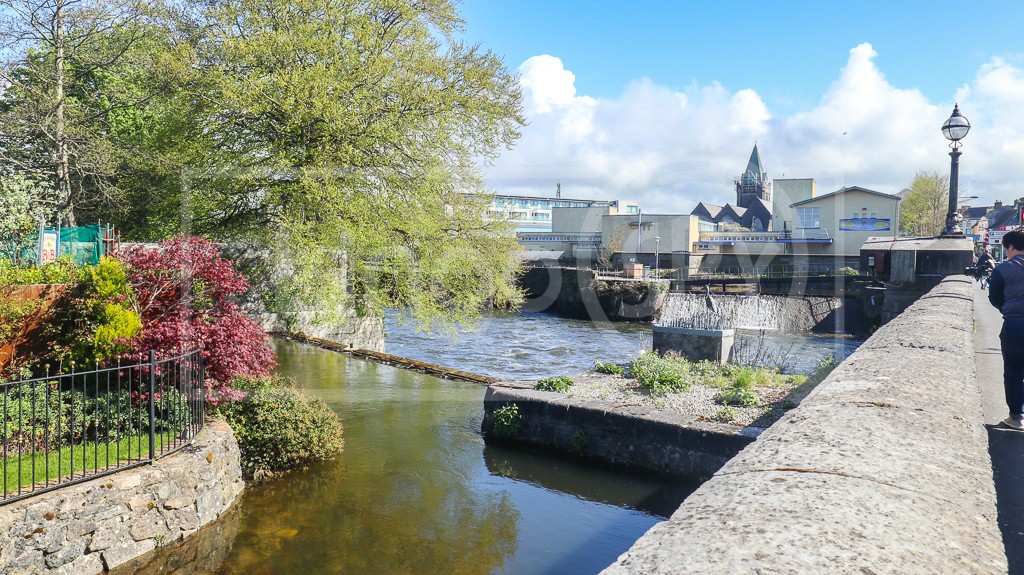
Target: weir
[[770, 312]]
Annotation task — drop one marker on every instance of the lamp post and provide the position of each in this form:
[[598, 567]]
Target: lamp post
[[657, 266], [954, 129]]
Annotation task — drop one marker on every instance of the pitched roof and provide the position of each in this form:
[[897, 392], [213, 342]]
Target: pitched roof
[[736, 210], [1003, 216], [711, 209], [843, 191], [767, 205]]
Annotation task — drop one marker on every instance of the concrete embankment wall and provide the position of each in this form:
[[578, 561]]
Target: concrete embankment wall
[[772, 312], [577, 293], [626, 435], [884, 468], [100, 524]]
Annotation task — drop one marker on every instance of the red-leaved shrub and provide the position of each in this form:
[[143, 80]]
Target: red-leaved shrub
[[185, 290]]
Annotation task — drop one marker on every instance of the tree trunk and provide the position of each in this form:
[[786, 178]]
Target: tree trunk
[[63, 168]]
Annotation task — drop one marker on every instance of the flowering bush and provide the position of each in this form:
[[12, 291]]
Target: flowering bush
[[185, 292]]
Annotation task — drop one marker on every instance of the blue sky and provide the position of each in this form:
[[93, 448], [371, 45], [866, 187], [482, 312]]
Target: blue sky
[[662, 101]]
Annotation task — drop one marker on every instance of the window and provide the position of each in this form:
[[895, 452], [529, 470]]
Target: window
[[808, 217]]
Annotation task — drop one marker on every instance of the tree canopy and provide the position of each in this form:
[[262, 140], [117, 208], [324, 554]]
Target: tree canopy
[[344, 134], [925, 204]]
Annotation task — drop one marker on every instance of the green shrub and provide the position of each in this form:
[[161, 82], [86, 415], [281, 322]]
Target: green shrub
[[579, 440], [279, 428], [738, 396], [725, 415], [507, 421], [62, 271], [99, 324], [660, 375], [609, 368], [825, 366], [559, 384], [848, 271]]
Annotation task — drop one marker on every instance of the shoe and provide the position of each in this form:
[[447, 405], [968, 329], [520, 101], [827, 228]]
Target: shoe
[[1014, 422]]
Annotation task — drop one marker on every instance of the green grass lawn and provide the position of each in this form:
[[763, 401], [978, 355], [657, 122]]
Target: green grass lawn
[[86, 459]]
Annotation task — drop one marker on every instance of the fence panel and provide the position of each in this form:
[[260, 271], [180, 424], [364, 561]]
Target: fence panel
[[65, 428]]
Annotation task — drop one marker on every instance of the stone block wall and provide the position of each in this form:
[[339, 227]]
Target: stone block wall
[[630, 436], [100, 524], [695, 344], [883, 468]]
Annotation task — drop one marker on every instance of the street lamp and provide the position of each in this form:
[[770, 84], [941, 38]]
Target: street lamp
[[657, 240], [955, 128]]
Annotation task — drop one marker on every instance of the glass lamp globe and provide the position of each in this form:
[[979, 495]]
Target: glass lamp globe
[[956, 127]]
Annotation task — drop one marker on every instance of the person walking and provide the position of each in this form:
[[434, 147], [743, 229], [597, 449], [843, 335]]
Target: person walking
[[1006, 293], [984, 267]]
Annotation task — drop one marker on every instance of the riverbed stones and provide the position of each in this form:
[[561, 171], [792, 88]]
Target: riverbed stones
[[84, 528]]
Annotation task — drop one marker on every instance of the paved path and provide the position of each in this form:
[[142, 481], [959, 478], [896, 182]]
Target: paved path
[[1005, 446]]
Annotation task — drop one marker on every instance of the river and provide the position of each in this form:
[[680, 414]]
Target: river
[[417, 490]]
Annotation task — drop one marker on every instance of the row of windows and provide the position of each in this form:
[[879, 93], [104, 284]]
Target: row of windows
[[811, 217], [542, 204]]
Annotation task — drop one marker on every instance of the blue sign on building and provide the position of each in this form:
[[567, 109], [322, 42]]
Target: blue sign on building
[[864, 225]]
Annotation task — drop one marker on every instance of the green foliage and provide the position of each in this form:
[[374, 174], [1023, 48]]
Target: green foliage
[[39, 414], [62, 271], [725, 415], [579, 440], [559, 384], [825, 366], [848, 271], [279, 428], [99, 323], [661, 375], [609, 368], [507, 421], [374, 197], [20, 208], [924, 205], [738, 395]]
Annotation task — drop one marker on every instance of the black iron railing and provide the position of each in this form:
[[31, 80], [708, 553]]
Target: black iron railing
[[60, 429]]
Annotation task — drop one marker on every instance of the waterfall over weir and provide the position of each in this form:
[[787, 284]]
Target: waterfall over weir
[[770, 312]]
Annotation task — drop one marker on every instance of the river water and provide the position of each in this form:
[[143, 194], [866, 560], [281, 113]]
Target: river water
[[417, 490]]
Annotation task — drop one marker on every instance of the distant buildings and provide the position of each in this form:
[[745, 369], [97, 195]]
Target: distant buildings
[[774, 222], [534, 213]]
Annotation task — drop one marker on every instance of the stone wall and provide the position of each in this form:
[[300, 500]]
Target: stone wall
[[773, 312], [694, 344], [576, 293], [264, 271], [625, 435], [884, 468], [100, 524]]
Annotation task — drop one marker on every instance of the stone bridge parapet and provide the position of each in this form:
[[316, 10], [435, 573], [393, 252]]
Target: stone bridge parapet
[[884, 468]]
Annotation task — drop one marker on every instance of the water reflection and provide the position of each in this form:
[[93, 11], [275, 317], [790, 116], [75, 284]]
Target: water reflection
[[416, 491]]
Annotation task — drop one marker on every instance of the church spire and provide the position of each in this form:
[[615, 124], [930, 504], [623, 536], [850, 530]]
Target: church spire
[[755, 170]]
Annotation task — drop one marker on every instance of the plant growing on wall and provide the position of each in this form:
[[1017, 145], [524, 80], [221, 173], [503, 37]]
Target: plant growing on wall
[[507, 421]]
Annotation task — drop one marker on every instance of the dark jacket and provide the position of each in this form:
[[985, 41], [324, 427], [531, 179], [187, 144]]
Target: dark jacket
[[1006, 289]]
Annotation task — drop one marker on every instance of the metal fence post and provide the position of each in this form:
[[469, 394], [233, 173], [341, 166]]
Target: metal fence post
[[152, 405]]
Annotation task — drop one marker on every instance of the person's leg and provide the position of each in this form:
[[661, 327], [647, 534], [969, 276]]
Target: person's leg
[[1012, 340]]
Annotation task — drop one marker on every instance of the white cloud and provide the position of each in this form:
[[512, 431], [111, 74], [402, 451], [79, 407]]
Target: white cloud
[[670, 149]]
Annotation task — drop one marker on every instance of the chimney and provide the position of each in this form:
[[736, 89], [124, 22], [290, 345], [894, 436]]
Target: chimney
[[997, 204]]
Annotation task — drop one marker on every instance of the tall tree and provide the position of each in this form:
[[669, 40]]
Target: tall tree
[[925, 204], [348, 134], [58, 93]]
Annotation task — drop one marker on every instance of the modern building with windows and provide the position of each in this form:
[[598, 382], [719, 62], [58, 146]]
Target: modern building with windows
[[826, 230], [534, 213]]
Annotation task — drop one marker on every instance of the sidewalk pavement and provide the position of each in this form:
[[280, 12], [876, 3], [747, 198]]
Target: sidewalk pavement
[[1005, 446]]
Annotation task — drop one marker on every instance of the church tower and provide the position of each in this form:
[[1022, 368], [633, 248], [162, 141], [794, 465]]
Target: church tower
[[753, 183]]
